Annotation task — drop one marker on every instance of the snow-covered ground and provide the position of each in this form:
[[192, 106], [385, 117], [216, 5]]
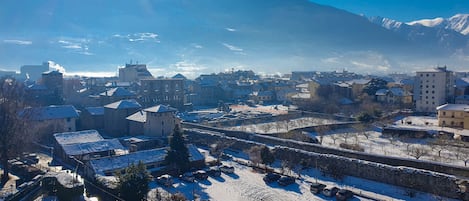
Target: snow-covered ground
[[283, 126], [247, 185], [385, 145]]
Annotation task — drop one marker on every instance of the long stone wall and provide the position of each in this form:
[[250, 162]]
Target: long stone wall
[[388, 160], [423, 180]]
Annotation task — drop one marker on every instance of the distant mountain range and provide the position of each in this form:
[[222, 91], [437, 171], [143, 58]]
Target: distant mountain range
[[193, 37], [449, 34]]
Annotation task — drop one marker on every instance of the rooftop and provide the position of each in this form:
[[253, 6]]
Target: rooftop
[[92, 147], [117, 92], [124, 104], [454, 107], [50, 112], [112, 163], [78, 137], [160, 109], [139, 116]]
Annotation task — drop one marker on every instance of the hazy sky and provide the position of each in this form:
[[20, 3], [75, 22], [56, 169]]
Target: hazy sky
[[401, 10]]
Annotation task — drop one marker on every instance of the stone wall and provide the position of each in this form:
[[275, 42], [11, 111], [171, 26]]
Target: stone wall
[[423, 180], [389, 160]]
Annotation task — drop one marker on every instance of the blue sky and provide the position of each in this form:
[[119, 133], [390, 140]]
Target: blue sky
[[401, 10]]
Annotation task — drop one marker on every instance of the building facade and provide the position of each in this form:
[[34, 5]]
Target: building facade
[[115, 114], [167, 91], [453, 115], [433, 88], [134, 73]]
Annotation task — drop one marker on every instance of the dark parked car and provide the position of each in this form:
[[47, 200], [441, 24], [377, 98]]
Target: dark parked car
[[271, 177], [165, 180], [316, 188], [200, 175], [330, 191], [343, 194], [286, 180], [188, 177], [227, 169], [214, 171]]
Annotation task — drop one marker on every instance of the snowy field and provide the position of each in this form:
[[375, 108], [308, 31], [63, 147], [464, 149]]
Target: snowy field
[[247, 185], [407, 148], [283, 126]]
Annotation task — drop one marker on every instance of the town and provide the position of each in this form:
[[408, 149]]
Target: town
[[306, 135]]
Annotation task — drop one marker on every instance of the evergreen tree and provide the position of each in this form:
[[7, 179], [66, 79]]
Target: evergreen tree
[[133, 184], [178, 154], [267, 156]]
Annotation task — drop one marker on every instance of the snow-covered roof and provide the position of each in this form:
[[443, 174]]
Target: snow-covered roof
[[117, 92], [180, 76], [160, 109], [194, 153], [95, 110], [92, 147], [78, 137], [50, 112], [454, 107], [101, 165], [381, 92], [139, 116], [124, 104]]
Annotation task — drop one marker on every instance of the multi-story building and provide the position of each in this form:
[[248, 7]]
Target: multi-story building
[[157, 121], [53, 80], [433, 88], [134, 73], [53, 118], [115, 114], [166, 91], [453, 115]]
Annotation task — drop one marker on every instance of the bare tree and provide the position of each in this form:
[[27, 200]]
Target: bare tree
[[218, 148], [255, 155], [334, 138], [361, 130], [13, 128], [417, 151]]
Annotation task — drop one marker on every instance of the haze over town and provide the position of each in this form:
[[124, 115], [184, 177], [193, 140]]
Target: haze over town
[[234, 100]]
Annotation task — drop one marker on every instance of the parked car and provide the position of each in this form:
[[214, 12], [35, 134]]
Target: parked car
[[214, 171], [188, 177], [271, 177], [316, 188], [200, 175], [286, 180], [343, 194], [166, 180], [330, 191], [227, 169]]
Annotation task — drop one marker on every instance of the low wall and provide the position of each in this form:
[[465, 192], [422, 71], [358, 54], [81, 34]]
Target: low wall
[[423, 180], [389, 160]]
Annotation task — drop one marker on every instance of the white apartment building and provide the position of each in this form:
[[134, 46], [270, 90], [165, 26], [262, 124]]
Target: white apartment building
[[433, 88]]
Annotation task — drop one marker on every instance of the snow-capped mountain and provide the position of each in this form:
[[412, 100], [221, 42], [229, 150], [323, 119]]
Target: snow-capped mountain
[[447, 34], [458, 23]]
